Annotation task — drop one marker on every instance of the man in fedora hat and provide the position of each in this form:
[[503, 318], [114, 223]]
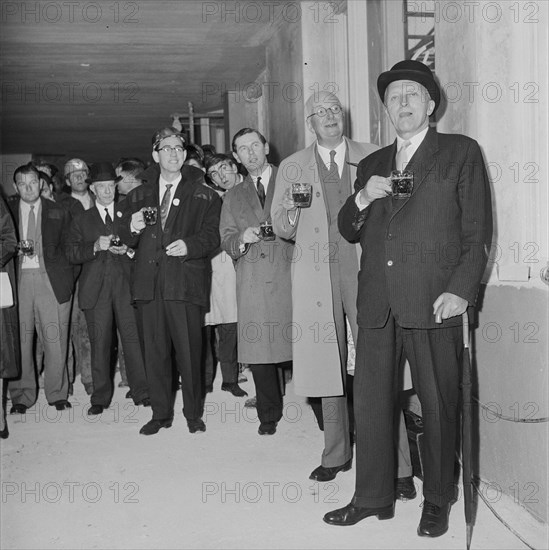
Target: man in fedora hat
[[423, 259], [104, 289], [171, 283]]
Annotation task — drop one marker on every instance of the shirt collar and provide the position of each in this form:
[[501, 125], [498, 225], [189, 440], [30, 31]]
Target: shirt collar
[[325, 151], [415, 141], [265, 176], [163, 182]]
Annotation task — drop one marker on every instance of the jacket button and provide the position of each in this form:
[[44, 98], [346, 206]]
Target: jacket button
[[390, 263], [317, 230], [153, 235], [319, 304], [389, 236], [318, 194]]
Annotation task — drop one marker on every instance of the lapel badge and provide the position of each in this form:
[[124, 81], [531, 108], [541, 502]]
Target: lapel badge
[[119, 214], [175, 202]]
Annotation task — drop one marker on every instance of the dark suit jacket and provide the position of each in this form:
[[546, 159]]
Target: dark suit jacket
[[84, 231], [194, 218], [55, 226], [436, 241]]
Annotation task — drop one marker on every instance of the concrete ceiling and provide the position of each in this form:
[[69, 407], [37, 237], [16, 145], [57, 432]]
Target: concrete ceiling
[[95, 79]]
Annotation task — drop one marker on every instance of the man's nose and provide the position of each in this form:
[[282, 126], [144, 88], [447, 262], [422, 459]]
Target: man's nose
[[404, 99]]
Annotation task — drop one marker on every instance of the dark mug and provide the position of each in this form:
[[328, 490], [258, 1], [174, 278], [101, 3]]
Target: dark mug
[[266, 231]]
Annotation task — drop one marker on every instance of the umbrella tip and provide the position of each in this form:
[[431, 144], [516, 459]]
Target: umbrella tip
[[469, 535]]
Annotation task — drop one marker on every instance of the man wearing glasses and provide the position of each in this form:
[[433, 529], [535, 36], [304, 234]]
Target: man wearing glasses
[[171, 282], [324, 281]]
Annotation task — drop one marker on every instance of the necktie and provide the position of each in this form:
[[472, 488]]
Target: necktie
[[108, 222], [31, 228], [333, 169], [165, 205], [260, 192], [402, 156]]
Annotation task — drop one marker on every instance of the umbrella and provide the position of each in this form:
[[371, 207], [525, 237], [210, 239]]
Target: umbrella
[[466, 432]]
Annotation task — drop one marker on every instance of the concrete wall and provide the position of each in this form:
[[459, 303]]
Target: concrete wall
[[491, 61]]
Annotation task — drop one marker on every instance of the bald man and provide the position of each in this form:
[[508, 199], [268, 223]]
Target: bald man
[[324, 279]]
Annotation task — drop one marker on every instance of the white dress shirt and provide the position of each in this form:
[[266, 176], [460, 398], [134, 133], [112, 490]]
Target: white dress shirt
[[162, 189], [340, 151], [29, 262]]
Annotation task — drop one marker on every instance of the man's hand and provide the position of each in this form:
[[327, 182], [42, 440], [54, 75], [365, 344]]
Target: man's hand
[[102, 243], [448, 305], [177, 248], [377, 187], [118, 250], [250, 235], [287, 200], [138, 223]]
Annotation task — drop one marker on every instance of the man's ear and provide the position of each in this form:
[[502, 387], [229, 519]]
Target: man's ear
[[310, 126], [431, 107], [237, 158], [266, 146], [92, 188], [16, 188], [155, 156]]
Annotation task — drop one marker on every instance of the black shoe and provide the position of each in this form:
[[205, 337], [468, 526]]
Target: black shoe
[[251, 403], [352, 514], [4, 434], [145, 402], [327, 474], [234, 388], [129, 394], [209, 388], [405, 488], [196, 425], [95, 409], [267, 428], [61, 405], [434, 520], [18, 409], [153, 426]]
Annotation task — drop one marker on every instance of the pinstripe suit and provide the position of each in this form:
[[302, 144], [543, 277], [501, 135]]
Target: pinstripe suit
[[412, 251]]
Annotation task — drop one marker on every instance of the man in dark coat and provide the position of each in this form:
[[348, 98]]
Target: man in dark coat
[[171, 282], [104, 289], [423, 258]]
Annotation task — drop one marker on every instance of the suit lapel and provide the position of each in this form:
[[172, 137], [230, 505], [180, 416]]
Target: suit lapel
[[270, 193], [250, 193]]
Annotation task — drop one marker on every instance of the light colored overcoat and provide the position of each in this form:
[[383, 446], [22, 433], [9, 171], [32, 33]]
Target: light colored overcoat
[[263, 277], [316, 358]]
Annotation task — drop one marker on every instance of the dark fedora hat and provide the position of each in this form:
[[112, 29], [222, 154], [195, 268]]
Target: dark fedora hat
[[102, 171], [410, 70]]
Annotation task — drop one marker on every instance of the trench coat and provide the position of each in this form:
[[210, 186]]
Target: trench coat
[[263, 277], [317, 369]]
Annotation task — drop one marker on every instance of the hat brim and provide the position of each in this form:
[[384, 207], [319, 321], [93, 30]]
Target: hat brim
[[420, 77]]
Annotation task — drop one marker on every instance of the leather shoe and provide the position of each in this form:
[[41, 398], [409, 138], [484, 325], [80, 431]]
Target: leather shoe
[[234, 388], [267, 428], [196, 425], [434, 520], [405, 488], [95, 409], [351, 514], [19, 408], [5, 433], [61, 405], [251, 403], [129, 394], [153, 426], [145, 402], [209, 388], [327, 474]]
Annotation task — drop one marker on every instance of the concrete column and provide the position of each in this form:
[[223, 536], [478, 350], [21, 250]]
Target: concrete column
[[491, 59]]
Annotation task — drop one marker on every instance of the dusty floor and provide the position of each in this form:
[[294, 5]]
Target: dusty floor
[[73, 481]]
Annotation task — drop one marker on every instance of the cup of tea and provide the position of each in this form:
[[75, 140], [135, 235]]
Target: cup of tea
[[116, 240], [402, 183], [27, 247], [149, 215], [266, 231], [302, 193]]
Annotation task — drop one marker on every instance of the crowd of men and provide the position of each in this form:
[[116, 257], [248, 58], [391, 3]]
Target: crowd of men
[[145, 257]]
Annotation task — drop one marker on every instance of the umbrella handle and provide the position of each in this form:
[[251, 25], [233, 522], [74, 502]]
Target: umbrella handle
[[465, 319]]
